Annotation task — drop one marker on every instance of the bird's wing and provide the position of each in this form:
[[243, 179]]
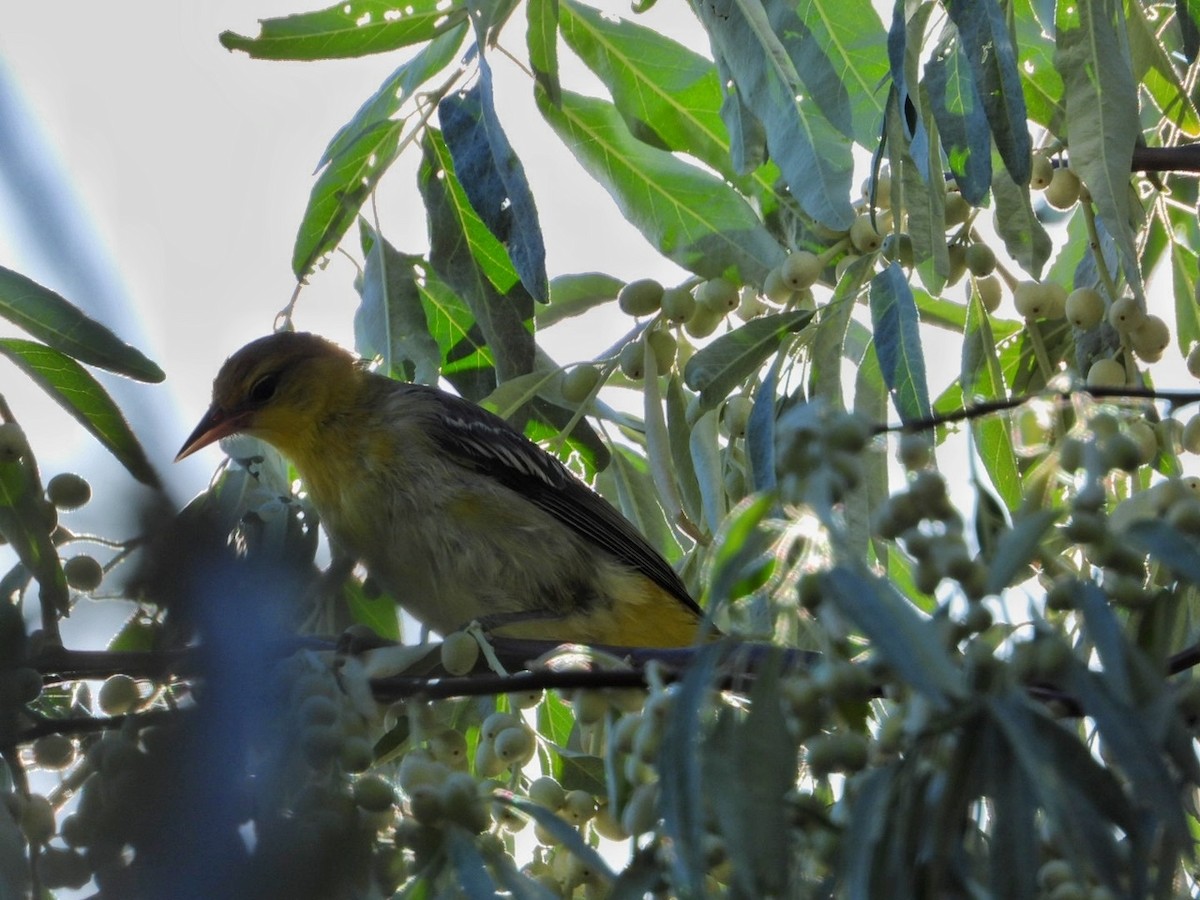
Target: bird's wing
[[488, 444]]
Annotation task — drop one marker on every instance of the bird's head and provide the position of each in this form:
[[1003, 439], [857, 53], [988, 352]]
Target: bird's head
[[273, 388]]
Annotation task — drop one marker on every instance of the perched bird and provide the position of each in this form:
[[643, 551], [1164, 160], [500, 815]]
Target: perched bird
[[453, 511]]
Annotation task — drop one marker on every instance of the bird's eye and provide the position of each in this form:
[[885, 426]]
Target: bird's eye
[[263, 389]]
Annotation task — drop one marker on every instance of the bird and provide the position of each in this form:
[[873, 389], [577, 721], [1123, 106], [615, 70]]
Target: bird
[[453, 511]]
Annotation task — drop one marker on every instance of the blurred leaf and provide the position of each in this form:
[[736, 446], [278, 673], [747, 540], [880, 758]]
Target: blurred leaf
[[729, 360], [743, 558], [340, 192], [61, 325], [74, 389], [907, 642], [568, 836], [691, 216], [1014, 846], [988, 48], [1187, 311], [751, 766], [1018, 547], [1102, 116], [378, 612], [1187, 13], [469, 867], [760, 429], [1155, 72], [682, 794], [1167, 545], [136, 635], [1024, 237], [345, 30], [898, 343], [397, 89], [961, 120], [814, 158], [494, 180], [390, 322]]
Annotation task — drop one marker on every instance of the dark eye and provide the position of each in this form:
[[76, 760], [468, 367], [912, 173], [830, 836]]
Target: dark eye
[[263, 389]]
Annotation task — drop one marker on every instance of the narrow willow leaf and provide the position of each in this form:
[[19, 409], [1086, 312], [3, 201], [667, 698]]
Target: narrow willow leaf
[[1187, 313], [690, 215], [494, 180], [669, 96], [1155, 72], [1187, 14], [341, 189], [571, 295], [847, 35], [682, 796], [814, 158], [1024, 237], [983, 381], [397, 89], [1102, 116], [390, 321], [74, 389], [989, 50], [679, 433], [1014, 850], [747, 136], [63, 326], [829, 341], [724, 364], [870, 816], [710, 477], [898, 343], [24, 526], [905, 640], [469, 868], [1041, 81], [467, 256], [961, 119], [760, 429], [1167, 545], [658, 443], [541, 39], [1018, 547], [345, 30]]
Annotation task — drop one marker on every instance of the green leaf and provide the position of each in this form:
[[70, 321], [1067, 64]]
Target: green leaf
[[493, 178], [689, 215], [571, 295], [907, 642], [541, 37], [705, 447], [74, 389], [345, 30], [378, 612], [989, 50], [982, 381], [724, 364], [24, 524], [469, 258], [814, 158], [1018, 547], [1154, 71], [396, 90], [961, 119], [63, 326], [669, 96], [847, 36], [1187, 312], [898, 343], [340, 192], [1041, 82], [390, 321], [679, 435], [1024, 237], [1102, 116]]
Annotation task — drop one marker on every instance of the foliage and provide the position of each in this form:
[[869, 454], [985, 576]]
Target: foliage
[[972, 675]]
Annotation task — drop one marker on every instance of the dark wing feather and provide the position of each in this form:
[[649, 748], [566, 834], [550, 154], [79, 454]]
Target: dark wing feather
[[487, 443]]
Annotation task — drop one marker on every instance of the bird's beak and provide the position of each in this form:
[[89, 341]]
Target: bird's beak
[[215, 425]]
